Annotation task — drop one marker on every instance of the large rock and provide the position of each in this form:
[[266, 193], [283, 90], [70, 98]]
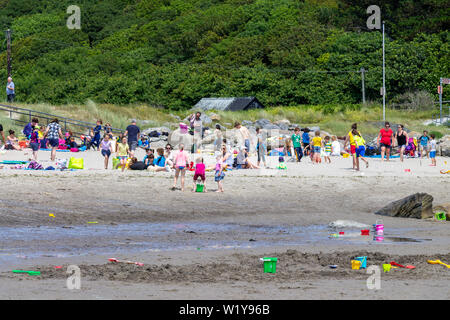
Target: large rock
[[261, 123], [417, 206], [444, 146], [176, 137]]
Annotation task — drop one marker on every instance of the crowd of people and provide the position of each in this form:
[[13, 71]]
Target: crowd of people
[[300, 145]]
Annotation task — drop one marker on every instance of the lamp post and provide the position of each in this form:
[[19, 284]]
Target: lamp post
[[384, 81]]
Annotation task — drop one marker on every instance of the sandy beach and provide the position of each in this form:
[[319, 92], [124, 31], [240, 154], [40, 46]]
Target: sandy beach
[[208, 246]]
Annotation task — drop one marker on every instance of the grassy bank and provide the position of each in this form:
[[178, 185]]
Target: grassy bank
[[335, 119]]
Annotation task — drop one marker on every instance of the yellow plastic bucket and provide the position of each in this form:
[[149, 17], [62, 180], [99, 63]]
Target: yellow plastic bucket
[[356, 264]]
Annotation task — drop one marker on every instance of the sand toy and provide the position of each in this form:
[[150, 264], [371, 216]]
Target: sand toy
[[270, 264], [393, 263], [130, 262], [438, 262], [31, 273]]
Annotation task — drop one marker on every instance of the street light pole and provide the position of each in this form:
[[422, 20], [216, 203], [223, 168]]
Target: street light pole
[[384, 81]]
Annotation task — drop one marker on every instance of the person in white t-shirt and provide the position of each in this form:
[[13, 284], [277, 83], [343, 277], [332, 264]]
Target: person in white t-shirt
[[335, 147]]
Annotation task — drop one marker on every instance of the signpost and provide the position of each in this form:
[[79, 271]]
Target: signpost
[[440, 92]]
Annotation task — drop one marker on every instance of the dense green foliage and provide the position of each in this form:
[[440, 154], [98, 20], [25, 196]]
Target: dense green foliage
[[173, 52]]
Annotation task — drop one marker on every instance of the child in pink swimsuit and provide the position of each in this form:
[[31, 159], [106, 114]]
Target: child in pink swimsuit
[[181, 162], [200, 169]]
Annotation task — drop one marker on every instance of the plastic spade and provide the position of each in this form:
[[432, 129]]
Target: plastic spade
[[31, 273], [438, 262], [130, 262], [402, 266]]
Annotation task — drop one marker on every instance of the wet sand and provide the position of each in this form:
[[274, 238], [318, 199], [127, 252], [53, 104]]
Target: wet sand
[[207, 246]]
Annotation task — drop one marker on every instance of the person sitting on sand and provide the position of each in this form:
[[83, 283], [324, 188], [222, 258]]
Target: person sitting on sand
[[169, 155], [159, 163], [12, 142], [143, 143], [149, 160], [242, 160], [72, 143], [107, 130], [200, 172], [137, 165], [148, 153]]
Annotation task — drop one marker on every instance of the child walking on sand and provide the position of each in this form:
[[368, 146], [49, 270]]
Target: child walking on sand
[[297, 141], [328, 149], [200, 169], [181, 162], [433, 150], [34, 142], [122, 151], [317, 145], [106, 149], [360, 148], [219, 175]]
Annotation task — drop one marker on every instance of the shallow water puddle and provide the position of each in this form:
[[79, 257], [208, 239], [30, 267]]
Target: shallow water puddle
[[66, 241]]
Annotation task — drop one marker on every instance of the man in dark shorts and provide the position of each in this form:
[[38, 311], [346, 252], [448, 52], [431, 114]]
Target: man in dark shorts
[[133, 134], [53, 133]]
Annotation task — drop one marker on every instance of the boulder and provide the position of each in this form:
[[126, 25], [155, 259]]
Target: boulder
[[418, 205], [444, 146], [261, 123], [214, 117], [176, 137], [246, 123]]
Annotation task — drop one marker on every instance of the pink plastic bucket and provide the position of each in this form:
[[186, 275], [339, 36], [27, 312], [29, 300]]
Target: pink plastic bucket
[[183, 128], [379, 226]]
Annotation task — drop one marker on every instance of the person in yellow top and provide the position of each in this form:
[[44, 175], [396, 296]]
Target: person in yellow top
[[317, 145], [122, 150], [350, 139]]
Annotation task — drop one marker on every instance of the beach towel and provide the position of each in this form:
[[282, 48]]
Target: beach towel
[[35, 166]]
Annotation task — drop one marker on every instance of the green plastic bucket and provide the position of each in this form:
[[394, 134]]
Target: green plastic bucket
[[270, 264], [440, 216], [199, 187]]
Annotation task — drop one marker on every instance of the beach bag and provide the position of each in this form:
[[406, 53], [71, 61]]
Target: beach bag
[[115, 162], [61, 163], [74, 150], [23, 144], [76, 163]]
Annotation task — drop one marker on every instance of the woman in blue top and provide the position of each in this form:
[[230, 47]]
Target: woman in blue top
[[160, 162]]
